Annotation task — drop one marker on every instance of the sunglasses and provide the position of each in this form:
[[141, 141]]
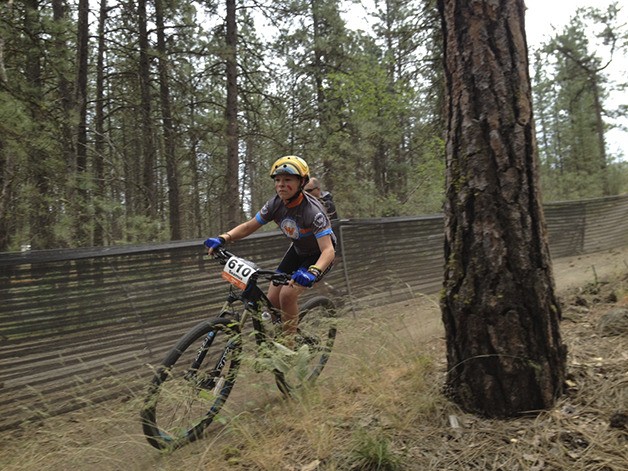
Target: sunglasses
[[310, 190]]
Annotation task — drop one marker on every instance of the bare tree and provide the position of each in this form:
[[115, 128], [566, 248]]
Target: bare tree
[[501, 315]]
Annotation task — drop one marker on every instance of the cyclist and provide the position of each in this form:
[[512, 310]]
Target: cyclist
[[313, 187], [303, 219]]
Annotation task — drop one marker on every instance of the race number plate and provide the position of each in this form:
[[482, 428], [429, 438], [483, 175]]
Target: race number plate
[[237, 271]]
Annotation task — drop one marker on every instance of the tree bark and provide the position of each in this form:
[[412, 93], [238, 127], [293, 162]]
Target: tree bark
[[504, 350], [41, 218], [66, 99], [99, 127], [195, 225], [172, 171], [7, 166], [7, 172], [5, 8], [148, 142], [600, 131], [82, 236], [230, 198]]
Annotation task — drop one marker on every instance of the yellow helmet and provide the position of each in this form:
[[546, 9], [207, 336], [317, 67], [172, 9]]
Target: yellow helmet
[[291, 165]]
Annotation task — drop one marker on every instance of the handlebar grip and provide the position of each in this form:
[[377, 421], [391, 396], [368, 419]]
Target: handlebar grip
[[280, 278], [218, 253]]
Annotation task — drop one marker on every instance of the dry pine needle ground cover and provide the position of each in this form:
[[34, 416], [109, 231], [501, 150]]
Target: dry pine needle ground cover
[[379, 405]]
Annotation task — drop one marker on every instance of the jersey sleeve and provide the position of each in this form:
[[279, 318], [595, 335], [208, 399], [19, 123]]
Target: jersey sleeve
[[265, 215], [321, 225]]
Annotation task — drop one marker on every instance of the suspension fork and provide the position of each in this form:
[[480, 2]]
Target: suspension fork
[[214, 373], [200, 355]]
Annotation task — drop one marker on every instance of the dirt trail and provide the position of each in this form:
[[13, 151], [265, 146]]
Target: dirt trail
[[577, 271], [108, 437]]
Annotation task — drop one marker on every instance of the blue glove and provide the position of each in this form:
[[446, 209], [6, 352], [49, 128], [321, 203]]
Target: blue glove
[[214, 242], [304, 277]]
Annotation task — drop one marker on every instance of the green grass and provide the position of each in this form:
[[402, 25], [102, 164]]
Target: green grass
[[377, 406]]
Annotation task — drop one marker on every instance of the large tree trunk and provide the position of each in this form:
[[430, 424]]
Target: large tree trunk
[[501, 316], [66, 99], [172, 171], [99, 126], [194, 206], [5, 8], [230, 199], [599, 130], [148, 143], [379, 168], [41, 218], [82, 235], [7, 166], [7, 170]]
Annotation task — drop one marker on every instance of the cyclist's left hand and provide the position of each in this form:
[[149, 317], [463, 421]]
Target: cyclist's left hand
[[213, 243], [304, 277]]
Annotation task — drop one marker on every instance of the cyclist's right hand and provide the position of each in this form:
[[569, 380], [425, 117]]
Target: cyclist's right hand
[[214, 243]]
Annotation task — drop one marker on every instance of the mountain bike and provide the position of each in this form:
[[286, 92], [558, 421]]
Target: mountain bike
[[192, 383]]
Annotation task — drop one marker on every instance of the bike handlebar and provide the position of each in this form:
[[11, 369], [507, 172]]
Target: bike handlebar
[[223, 255]]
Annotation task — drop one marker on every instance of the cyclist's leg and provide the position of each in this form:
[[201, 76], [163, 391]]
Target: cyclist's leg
[[286, 298], [289, 263], [289, 302], [273, 295]]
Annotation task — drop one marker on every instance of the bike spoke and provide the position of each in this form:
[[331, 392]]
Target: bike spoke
[[185, 399]]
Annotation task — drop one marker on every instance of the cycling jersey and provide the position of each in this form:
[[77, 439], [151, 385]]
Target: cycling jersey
[[303, 221]]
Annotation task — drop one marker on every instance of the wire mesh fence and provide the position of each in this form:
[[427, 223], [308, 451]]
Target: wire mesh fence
[[79, 326]]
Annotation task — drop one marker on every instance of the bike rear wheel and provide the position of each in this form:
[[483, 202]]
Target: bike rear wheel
[[313, 345], [191, 385]]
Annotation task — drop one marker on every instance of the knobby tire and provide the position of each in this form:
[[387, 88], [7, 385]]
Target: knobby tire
[[183, 399]]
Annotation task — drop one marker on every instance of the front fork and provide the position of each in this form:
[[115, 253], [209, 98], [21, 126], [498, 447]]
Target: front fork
[[191, 373], [214, 379]]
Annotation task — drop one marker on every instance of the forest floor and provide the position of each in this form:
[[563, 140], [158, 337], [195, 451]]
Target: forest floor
[[378, 404]]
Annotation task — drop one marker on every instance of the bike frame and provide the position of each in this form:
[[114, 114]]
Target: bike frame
[[254, 302], [231, 321]]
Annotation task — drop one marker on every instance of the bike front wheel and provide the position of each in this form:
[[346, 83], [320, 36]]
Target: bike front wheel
[[313, 345], [192, 383]]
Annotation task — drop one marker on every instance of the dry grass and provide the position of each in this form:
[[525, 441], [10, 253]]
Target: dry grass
[[377, 406]]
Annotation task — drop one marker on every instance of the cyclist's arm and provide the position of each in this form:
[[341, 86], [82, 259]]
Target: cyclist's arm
[[327, 252], [240, 232]]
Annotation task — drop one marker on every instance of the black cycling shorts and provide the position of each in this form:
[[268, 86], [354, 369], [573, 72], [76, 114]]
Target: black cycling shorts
[[292, 261]]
